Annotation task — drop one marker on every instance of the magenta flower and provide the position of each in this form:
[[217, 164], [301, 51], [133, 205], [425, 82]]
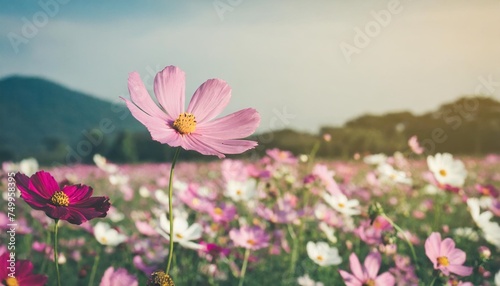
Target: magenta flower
[[252, 238], [366, 274], [71, 203], [23, 272], [194, 128], [445, 256], [118, 277]]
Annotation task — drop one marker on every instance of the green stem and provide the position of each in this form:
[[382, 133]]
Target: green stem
[[170, 211], [433, 280], [94, 268], [56, 255], [399, 229], [295, 248], [244, 267]]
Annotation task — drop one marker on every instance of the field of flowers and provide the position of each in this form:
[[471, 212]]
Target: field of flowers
[[281, 220]]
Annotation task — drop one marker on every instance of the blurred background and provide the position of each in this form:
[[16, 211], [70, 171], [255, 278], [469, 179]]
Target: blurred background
[[370, 74]]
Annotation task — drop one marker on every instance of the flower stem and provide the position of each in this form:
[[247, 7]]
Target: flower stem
[[244, 267], [94, 268], [56, 255], [400, 230], [170, 211]]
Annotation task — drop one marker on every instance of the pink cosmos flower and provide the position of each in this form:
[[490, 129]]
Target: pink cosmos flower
[[249, 237], [118, 277], [194, 128], [445, 256], [23, 272], [366, 274], [415, 146], [71, 203]]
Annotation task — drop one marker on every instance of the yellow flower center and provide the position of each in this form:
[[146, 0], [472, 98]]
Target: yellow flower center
[[341, 205], [104, 240], [11, 281], [179, 236], [443, 261], [251, 242], [319, 258], [442, 172], [369, 282], [161, 279], [218, 211], [60, 199], [239, 192], [185, 123]]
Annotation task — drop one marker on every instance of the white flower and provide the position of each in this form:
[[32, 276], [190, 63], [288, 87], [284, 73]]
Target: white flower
[[497, 279], [322, 254], [343, 205], [106, 235], [28, 166], [102, 163], [241, 191], [375, 159], [183, 233], [328, 231], [491, 230], [389, 174], [446, 170], [467, 232], [307, 281], [144, 192], [118, 179]]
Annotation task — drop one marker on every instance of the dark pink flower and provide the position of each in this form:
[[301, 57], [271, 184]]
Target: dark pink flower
[[23, 272], [445, 256], [73, 203], [194, 128], [366, 274]]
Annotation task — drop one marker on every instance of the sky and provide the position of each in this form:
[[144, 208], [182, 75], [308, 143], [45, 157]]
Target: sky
[[301, 64]]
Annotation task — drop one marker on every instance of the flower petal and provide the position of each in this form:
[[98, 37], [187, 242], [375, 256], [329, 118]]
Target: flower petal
[[140, 96], [385, 279], [236, 125], [372, 264], [43, 184], [432, 246], [169, 89], [218, 147], [77, 193], [159, 129], [349, 279], [460, 270], [209, 100], [356, 268], [456, 256]]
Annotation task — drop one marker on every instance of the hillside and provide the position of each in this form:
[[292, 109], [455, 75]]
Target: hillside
[[39, 117]]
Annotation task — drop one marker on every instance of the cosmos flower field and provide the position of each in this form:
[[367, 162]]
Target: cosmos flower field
[[282, 220]]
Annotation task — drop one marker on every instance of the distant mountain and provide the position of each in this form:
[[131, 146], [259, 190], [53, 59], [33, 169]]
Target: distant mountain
[[41, 118]]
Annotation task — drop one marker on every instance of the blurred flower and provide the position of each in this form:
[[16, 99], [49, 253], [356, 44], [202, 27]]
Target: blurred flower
[[390, 175], [328, 231], [252, 238], [375, 159], [183, 233], [193, 129], [343, 205], [307, 281], [445, 256], [222, 213], [415, 146], [23, 273], [106, 235], [466, 232], [280, 156], [241, 191], [104, 165], [366, 274], [118, 277], [446, 170], [322, 254], [27, 166], [71, 203], [371, 233]]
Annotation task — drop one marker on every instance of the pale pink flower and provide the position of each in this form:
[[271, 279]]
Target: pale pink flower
[[366, 274], [445, 256], [191, 129], [415, 146], [252, 238]]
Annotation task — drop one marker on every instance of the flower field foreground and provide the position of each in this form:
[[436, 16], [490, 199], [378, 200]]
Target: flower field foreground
[[277, 221]]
